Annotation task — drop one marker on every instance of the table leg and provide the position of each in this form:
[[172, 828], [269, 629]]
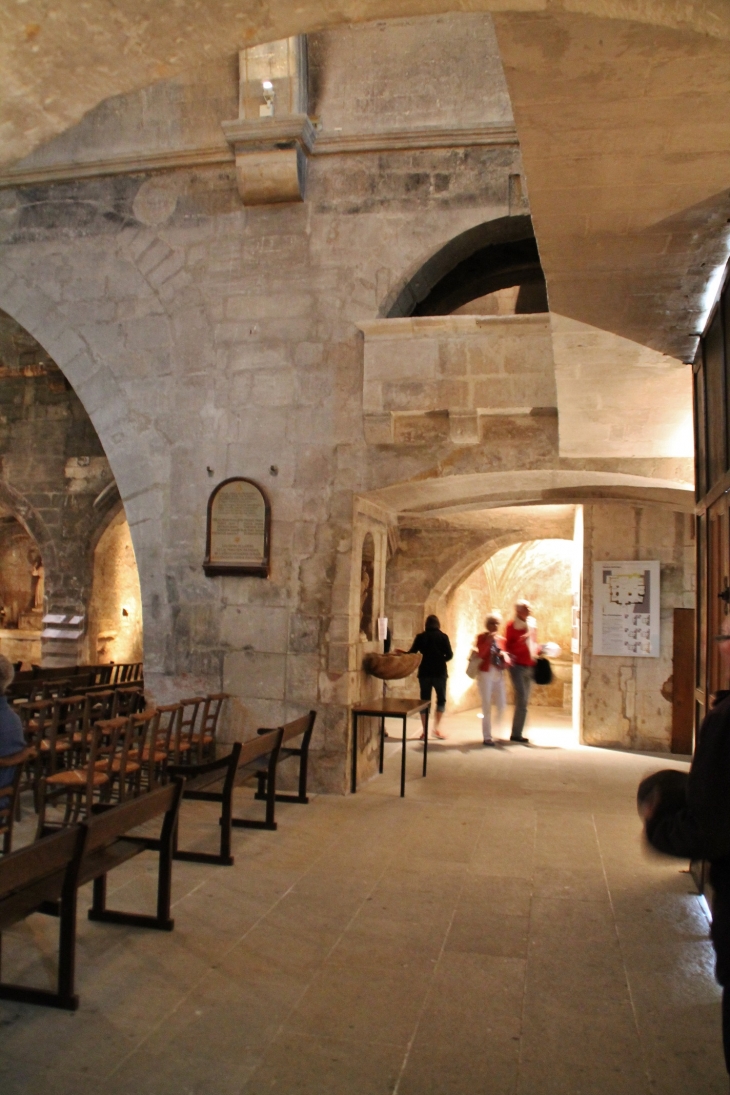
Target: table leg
[[425, 740], [353, 778], [403, 761], [382, 744]]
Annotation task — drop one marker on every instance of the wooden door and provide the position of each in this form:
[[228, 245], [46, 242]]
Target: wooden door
[[718, 589], [683, 654]]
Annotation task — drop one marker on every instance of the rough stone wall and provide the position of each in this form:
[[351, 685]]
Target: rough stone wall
[[622, 702], [375, 76], [207, 340], [202, 335]]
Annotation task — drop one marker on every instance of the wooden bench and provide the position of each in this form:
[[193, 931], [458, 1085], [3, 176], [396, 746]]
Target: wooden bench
[[45, 877], [36, 879], [244, 761], [303, 726]]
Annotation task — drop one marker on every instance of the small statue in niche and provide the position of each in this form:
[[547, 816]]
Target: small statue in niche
[[366, 600], [38, 575]]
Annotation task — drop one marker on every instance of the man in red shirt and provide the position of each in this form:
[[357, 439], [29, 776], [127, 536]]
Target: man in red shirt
[[520, 646]]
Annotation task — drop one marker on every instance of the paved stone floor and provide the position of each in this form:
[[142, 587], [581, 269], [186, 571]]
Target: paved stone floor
[[500, 930]]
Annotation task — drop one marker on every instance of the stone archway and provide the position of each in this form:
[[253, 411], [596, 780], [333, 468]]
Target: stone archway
[[140, 479]]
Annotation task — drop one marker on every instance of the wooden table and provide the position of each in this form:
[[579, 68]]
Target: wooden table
[[389, 709]]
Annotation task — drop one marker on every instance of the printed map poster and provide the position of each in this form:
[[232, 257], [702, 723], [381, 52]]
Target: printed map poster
[[626, 619]]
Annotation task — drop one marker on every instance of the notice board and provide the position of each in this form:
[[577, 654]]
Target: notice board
[[626, 617]]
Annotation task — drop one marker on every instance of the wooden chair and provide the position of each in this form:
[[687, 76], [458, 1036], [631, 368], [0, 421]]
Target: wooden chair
[[49, 727], [121, 755], [127, 700], [157, 752], [79, 785], [204, 738], [300, 727], [185, 728], [9, 796]]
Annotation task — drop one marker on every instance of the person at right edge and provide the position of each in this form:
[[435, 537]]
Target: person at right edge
[[521, 647], [700, 827]]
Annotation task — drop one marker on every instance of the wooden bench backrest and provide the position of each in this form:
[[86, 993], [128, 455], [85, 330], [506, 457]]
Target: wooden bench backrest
[[298, 726], [48, 856], [258, 747], [107, 826]]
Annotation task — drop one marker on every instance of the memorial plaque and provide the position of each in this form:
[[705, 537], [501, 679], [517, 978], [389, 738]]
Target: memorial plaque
[[239, 518]]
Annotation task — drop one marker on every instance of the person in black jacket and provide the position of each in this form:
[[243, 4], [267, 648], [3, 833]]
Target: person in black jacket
[[435, 647], [699, 827]]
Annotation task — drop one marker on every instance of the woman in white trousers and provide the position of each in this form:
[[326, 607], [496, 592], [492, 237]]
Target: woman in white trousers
[[491, 674]]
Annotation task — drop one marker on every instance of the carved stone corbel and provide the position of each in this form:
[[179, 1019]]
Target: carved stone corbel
[[272, 135], [271, 155]]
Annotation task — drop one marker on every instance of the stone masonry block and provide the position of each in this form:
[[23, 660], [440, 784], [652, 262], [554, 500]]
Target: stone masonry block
[[252, 674], [263, 628], [464, 428], [302, 672]]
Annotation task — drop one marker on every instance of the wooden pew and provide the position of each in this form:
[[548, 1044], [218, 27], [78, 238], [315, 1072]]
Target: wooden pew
[[45, 877], [110, 844], [39, 878], [300, 727], [232, 770]]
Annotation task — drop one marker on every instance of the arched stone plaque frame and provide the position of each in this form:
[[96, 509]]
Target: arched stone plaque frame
[[238, 529]]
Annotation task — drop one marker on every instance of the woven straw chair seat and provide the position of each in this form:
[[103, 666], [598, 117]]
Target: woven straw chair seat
[[77, 777]]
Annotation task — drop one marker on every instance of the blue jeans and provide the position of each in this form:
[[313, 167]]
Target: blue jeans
[[522, 683]]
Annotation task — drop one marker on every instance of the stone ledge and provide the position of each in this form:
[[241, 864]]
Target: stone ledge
[[319, 144], [432, 326]]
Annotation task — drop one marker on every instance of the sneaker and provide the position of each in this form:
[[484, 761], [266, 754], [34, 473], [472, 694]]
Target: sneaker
[[520, 741], [490, 741]]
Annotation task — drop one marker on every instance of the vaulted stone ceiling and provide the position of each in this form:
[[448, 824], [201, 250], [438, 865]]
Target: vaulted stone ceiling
[[59, 58], [625, 133]]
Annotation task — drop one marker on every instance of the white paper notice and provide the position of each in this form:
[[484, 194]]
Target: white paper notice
[[626, 619]]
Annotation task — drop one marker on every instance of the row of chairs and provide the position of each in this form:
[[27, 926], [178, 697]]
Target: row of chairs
[[106, 673], [102, 746], [70, 680]]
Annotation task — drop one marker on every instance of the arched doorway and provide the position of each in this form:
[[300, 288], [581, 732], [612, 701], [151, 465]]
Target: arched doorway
[[540, 571], [56, 500]]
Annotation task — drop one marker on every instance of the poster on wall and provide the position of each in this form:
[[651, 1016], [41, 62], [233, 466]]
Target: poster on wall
[[626, 619], [239, 520]]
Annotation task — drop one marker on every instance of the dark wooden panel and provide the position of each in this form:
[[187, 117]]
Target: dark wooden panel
[[714, 361], [683, 690], [700, 421]]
